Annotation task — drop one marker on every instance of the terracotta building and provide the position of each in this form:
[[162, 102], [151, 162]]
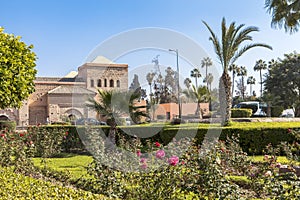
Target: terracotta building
[[58, 98]]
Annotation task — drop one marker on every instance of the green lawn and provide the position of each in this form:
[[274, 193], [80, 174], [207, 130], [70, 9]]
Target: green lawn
[[75, 164]]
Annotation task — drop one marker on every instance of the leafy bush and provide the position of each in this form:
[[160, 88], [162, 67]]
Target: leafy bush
[[276, 111], [241, 113], [9, 125]]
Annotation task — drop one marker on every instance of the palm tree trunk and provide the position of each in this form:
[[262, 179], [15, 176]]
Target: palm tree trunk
[[232, 83], [206, 78], [196, 82], [225, 98], [260, 83]]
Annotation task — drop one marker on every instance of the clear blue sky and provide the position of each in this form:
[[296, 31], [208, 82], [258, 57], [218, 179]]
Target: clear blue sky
[[64, 32]]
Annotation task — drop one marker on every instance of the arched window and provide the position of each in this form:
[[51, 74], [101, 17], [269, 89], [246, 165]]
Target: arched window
[[99, 84], [105, 83], [118, 83], [111, 83], [92, 83]]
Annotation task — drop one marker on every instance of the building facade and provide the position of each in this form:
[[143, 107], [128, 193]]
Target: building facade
[[58, 98]]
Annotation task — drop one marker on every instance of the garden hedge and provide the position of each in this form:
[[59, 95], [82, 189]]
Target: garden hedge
[[241, 113], [253, 140]]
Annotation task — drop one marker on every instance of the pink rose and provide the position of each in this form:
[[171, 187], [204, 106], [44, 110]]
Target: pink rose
[[173, 160], [160, 154], [138, 153], [143, 160]]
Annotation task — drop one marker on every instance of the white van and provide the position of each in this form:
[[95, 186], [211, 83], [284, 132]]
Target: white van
[[257, 107]]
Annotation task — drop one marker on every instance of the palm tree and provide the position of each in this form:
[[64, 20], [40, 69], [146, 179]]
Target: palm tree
[[206, 62], [260, 65], [150, 77], [201, 95], [251, 81], [234, 69], [210, 79], [114, 104], [242, 72], [284, 13], [195, 73], [187, 82], [228, 50]]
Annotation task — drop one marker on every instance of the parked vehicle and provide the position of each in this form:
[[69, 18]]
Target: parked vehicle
[[89, 121], [258, 108]]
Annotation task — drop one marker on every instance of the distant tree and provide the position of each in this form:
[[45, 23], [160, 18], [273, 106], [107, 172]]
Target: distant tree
[[283, 82], [135, 83], [259, 66], [195, 73], [240, 89], [17, 70], [251, 81], [210, 79], [206, 62], [201, 95], [242, 72], [150, 76], [114, 104], [187, 83], [228, 49], [285, 13], [234, 69]]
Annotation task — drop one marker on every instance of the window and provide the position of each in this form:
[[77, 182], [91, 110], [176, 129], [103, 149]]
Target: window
[[111, 83], [99, 84], [105, 83], [92, 83], [118, 83]]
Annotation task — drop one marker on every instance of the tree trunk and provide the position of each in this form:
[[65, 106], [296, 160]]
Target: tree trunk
[[225, 98], [232, 83]]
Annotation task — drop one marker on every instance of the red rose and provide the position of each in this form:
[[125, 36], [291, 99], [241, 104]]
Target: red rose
[[2, 135], [67, 133], [157, 144], [289, 130], [21, 134]]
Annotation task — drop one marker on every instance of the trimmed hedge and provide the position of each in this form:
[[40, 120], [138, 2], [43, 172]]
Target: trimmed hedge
[[18, 186], [241, 113], [9, 125], [253, 140]]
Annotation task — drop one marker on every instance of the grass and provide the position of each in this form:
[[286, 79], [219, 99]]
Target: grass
[[75, 164]]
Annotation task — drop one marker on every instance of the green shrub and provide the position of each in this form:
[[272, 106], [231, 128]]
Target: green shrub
[[17, 186], [276, 111], [241, 113], [9, 125]]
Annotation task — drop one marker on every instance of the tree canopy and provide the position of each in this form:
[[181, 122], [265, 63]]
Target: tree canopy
[[283, 81], [17, 70]]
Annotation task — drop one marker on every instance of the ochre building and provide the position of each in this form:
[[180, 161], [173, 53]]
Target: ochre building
[[57, 98]]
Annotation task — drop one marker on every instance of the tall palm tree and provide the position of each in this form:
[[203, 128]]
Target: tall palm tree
[[259, 66], [242, 72], [206, 62], [114, 104], [210, 79], [228, 50], [195, 73], [251, 81], [284, 13], [234, 69]]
